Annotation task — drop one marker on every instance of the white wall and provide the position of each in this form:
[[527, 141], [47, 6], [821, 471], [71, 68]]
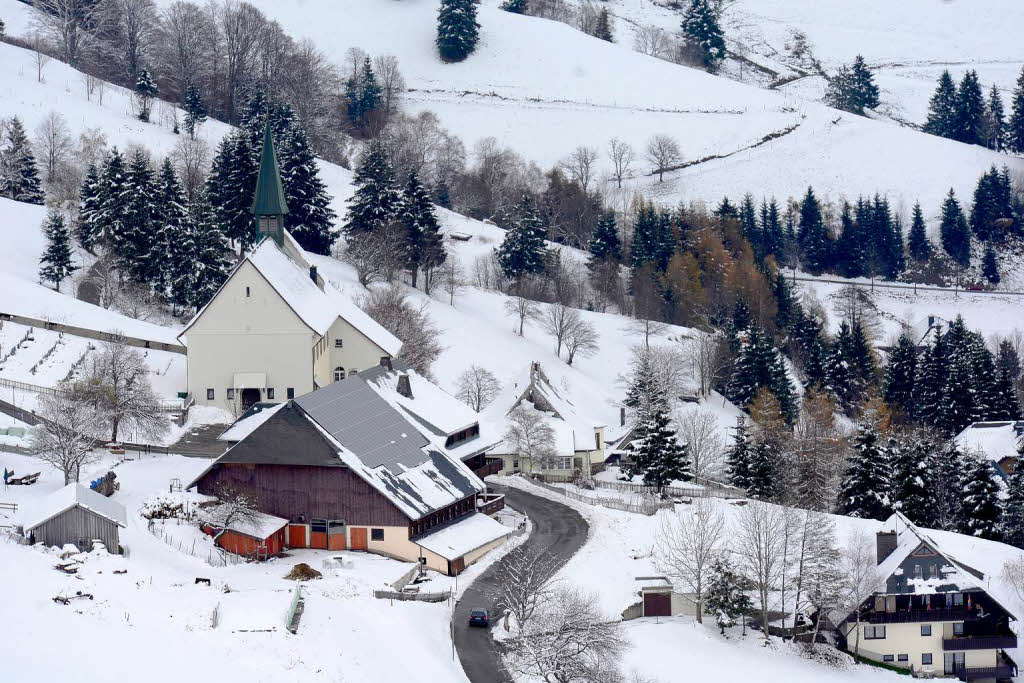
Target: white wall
[[255, 333]]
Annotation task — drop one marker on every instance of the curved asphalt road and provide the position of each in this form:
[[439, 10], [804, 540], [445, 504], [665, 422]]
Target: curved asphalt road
[[558, 529]]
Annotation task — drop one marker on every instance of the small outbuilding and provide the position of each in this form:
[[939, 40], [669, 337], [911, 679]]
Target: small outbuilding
[[255, 535], [76, 515]]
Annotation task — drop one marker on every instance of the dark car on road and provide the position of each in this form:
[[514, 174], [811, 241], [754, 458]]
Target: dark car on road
[[479, 617]]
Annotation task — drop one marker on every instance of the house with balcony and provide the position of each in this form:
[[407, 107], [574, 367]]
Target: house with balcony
[[930, 612]]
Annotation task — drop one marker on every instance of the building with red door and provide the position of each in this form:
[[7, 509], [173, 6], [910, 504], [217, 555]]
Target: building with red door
[[257, 535], [347, 468]]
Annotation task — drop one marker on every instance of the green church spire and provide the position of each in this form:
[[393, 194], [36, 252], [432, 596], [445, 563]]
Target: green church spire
[[269, 204]]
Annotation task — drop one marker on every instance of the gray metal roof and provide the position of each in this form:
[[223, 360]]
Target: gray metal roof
[[359, 419]]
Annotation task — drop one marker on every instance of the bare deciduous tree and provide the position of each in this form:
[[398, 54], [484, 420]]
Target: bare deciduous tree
[[104, 280], [580, 165], [241, 28], [135, 26], [39, 57], [392, 84], [621, 155], [373, 255], [120, 389], [237, 506], [569, 640], [664, 153], [709, 358], [477, 387], [453, 277], [74, 26], [53, 144], [1013, 576], [581, 339], [530, 436], [189, 36], [652, 41], [191, 157], [557, 320], [524, 580], [688, 543], [857, 306], [67, 436], [860, 570], [522, 309], [698, 428], [761, 548], [421, 340]]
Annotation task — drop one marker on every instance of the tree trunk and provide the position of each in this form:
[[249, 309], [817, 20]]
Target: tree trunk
[[413, 273], [116, 422]]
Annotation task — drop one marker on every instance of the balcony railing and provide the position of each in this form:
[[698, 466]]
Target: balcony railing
[[490, 503], [977, 673], [492, 466], [919, 615], [1000, 642]]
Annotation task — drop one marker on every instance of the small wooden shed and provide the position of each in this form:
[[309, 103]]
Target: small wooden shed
[[258, 536], [76, 515]]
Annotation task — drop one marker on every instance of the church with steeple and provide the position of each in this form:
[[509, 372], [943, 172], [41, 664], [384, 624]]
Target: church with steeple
[[275, 329]]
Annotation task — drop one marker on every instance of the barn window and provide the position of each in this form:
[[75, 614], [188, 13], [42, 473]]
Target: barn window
[[231, 394], [376, 534], [318, 526], [339, 374], [338, 343], [209, 394], [290, 392], [246, 292]]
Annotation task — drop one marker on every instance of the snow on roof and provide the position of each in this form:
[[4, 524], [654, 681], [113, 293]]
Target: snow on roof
[[432, 405], [247, 423], [29, 300], [67, 498], [318, 308], [573, 431], [994, 440], [258, 525], [465, 535], [954, 576]]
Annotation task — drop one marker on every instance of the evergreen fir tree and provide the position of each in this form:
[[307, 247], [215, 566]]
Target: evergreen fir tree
[[371, 95], [771, 229], [864, 84], [739, 456], [917, 243], [658, 453], [169, 219], [605, 245], [1013, 509], [1015, 128], [725, 209], [457, 29], [353, 101], [765, 470], [970, 111], [726, 596], [841, 92], [195, 111], [423, 242], [912, 465], [376, 200], [113, 193], [900, 373], [853, 247], [758, 366], [989, 265], [522, 251], [88, 229], [702, 31], [310, 219], [515, 6], [145, 91], [982, 509], [748, 221], [211, 267], [135, 244], [946, 484], [784, 300], [864, 490], [942, 109], [956, 235], [813, 237], [19, 177], [995, 121], [603, 26], [646, 243], [1005, 405], [960, 405], [56, 258], [229, 189]]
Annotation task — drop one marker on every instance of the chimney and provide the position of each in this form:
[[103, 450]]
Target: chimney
[[622, 417], [885, 544], [385, 362], [404, 388], [312, 274]]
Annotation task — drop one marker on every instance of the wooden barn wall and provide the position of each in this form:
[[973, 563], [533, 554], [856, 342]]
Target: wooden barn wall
[[314, 492], [76, 523]]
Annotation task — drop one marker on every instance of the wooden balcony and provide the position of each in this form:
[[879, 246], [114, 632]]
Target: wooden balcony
[[919, 616], [492, 466], [491, 503], [994, 642]]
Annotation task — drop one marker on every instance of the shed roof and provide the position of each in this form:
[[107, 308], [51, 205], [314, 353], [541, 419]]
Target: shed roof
[[994, 440], [258, 525], [463, 535], [70, 496]]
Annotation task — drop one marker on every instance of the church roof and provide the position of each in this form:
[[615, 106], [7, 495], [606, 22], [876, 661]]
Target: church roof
[[269, 199]]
